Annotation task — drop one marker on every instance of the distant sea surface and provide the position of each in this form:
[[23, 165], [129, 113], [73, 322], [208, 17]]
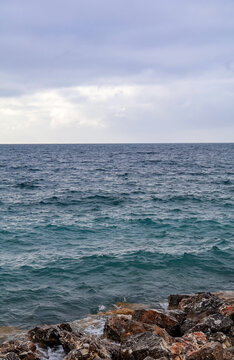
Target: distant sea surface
[[84, 226]]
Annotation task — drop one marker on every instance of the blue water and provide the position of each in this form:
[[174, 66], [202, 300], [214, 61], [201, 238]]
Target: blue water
[[88, 225]]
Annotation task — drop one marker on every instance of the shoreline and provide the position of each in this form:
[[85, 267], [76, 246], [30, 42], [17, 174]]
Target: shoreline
[[195, 326]]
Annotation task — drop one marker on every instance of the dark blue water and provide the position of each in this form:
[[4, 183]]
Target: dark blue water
[[88, 225]]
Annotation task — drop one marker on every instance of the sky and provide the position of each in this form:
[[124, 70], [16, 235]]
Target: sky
[[105, 71]]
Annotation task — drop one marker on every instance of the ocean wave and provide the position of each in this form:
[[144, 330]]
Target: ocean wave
[[27, 185]]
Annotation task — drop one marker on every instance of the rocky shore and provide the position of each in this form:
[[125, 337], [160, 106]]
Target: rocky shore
[[194, 327]]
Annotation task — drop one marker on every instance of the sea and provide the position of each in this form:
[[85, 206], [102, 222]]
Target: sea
[[83, 226]]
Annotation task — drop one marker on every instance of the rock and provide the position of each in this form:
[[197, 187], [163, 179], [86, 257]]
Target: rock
[[229, 353], [222, 339], [92, 348], [210, 351], [140, 346], [161, 358], [200, 304], [179, 315], [163, 334], [162, 319], [214, 323], [188, 324], [227, 310], [48, 335], [71, 340], [119, 328], [174, 300], [12, 356], [83, 346], [18, 346], [187, 344]]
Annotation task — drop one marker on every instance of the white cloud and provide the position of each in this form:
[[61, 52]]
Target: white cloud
[[167, 111]]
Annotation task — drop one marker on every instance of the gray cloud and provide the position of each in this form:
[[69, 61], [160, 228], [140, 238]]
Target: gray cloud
[[176, 55]]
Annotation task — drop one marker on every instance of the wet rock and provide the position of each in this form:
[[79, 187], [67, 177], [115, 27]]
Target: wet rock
[[17, 346], [201, 303], [162, 319], [71, 340], [119, 328], [92, 348], [140, 346], [82, 346], [210, 351], [48, 335], [174, 300]]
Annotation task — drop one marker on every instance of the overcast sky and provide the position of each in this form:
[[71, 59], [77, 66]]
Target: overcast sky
[[116, 71]]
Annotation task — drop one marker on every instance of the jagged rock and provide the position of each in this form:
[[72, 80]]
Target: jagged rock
[[201, 303], [222, 339], [214, 323], [17, 346], [188, 324], [187, 344], [179, 315], [210, 351], [229, 353], [227, 310], [93, 348], [71, 340], [48, 335], [162, 319], [83, 346], [139, 346], [161, 358], [231, 335], [119, 328], [163, 334], [175, 299], [11, 356]]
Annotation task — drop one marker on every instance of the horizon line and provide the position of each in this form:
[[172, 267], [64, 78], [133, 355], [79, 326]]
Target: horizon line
[[120, 143]]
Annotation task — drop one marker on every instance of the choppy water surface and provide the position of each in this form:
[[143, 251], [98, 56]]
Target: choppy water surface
[[84, 226]]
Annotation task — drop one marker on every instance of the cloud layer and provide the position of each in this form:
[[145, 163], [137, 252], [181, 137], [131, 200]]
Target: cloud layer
[[126, 71]]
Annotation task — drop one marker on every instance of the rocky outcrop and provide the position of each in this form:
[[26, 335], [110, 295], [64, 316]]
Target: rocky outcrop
[[196, 327], [119, 328], [139, 346]]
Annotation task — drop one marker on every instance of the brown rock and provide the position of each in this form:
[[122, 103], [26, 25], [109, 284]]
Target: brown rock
[[90, 349], [138, 347], [119, 328], [163, 334], [222, 339], [18, 346], [71, 340], [12, 356], [229, 353], [174, 300], [48, 335], [83, 346], [162, 319], [187, 344], [210, 351], [201, 303], [214, 323], [227, 310]]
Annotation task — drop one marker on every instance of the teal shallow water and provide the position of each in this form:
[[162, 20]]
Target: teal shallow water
[[83, 226]]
